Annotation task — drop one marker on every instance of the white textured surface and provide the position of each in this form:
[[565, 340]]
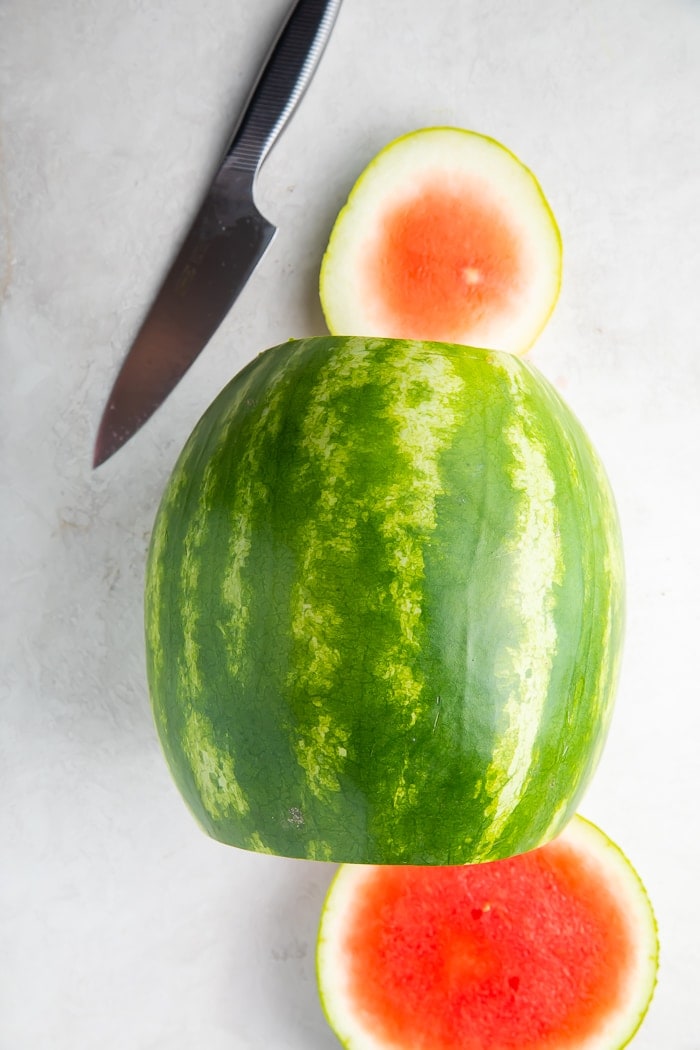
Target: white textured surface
[[121, 925]]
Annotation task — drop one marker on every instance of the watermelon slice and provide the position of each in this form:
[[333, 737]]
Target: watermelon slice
[[555, 949], [446, 236]]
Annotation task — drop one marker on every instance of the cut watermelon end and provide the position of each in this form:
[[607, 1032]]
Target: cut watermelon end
[[446, 236], [556, 949]]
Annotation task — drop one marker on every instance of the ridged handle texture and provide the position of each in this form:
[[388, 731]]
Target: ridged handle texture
[[282, 82]]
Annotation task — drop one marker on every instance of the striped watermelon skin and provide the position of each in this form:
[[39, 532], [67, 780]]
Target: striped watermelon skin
[[384, 606]]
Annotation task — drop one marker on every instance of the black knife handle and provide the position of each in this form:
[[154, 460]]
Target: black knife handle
[[282, 82]]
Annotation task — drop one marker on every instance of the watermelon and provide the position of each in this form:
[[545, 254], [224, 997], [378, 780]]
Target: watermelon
[[555, 949], [384, 606], [446, 235]]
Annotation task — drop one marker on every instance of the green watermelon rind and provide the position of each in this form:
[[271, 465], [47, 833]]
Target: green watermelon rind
[[385, 606]]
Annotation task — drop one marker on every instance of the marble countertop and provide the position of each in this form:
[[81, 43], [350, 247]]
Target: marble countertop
[[121, 924]]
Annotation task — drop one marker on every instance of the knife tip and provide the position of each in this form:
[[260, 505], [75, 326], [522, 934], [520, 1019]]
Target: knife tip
[[106, 444], [99, 456]]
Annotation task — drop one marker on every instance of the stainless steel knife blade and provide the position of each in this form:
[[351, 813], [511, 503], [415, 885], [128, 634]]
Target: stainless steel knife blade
[[226, 240]]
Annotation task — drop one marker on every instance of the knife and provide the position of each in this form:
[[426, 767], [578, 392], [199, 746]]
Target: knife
[[226, 241]]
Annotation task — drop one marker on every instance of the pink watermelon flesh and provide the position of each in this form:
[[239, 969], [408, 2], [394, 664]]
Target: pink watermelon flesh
[[443, 260], [527, 952]]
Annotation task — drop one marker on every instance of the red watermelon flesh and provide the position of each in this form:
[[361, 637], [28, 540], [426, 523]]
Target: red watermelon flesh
[[444, 260], [555, 948]]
